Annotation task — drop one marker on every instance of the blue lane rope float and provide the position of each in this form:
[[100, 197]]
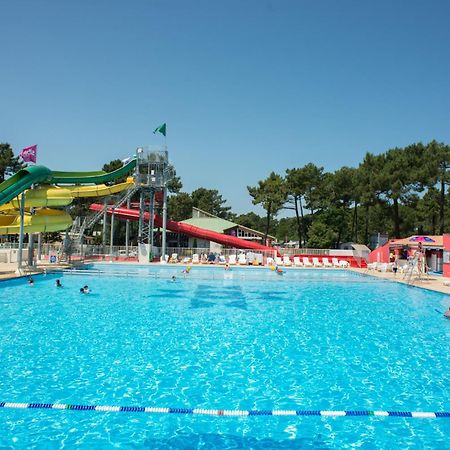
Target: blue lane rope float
[[229, 412]]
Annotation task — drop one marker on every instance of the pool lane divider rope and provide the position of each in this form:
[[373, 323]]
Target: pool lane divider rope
[[228, 412]]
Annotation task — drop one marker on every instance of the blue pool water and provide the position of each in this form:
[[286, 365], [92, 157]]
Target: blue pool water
[[245, 339]]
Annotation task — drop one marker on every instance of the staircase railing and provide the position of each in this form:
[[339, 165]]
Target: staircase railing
[[79, 228]]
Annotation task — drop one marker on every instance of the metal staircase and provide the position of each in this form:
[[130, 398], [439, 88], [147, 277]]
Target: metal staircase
[[80, 225]]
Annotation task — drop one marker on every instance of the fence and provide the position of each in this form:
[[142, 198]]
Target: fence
[[131, 253], [292, 251]]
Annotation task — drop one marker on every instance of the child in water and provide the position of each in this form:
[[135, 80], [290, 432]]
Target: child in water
[[30, 281], [85, 289], [58, 283]]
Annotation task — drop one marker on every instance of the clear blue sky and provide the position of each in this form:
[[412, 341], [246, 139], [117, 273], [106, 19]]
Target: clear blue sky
[[246, 87]]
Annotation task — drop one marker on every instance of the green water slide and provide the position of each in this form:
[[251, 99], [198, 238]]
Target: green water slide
[[23, 179], [92, 177]]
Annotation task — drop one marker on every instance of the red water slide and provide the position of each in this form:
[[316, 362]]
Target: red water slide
[[190, 230]]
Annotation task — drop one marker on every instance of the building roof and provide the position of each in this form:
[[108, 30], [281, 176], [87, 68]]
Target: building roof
[[251, 230], [210, 223], [438, 242], [197, 212], [361, 248]]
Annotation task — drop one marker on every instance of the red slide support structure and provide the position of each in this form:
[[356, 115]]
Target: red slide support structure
[[190, 230]]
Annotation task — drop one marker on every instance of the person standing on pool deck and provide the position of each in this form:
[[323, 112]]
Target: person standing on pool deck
[[395, 266]]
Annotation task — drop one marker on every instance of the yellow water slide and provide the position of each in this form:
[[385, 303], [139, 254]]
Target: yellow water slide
[[43, 197], [42, 220]]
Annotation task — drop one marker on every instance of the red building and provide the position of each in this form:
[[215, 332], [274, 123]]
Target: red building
[[433, 247]]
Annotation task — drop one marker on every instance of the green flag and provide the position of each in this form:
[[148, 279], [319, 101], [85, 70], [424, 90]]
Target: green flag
[[161, 129]]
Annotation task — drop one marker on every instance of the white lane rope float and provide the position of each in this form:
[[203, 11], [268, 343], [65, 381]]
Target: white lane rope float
[[228, 412]]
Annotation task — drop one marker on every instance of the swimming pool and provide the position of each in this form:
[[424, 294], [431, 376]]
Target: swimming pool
[[241, 340]]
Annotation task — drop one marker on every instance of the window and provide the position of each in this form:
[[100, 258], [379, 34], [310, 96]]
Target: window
[[446, 257]]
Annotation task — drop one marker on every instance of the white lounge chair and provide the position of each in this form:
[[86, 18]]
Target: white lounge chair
[[195, 259], [269, 261], [335, 262], [258, 259], [297, 262], [342, 263], [242, 260], [306, 262], [164, 259], [316, 262], [222, 259], [278, 261], [232, 260], [326, 263], [402, 266], [287, 261]]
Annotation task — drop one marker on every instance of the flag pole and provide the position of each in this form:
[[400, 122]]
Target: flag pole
[[22, 214]]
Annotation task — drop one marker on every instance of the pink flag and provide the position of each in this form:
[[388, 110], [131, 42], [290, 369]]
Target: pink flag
[[29, 154]]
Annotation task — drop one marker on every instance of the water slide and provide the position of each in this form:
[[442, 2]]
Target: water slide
[[25, 178], [190, 230], [43, 220], [45, 195]]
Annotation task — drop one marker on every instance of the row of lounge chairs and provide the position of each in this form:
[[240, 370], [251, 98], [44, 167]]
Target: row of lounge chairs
[[219, 259], [403, 266], [305, 262], [244, 260]]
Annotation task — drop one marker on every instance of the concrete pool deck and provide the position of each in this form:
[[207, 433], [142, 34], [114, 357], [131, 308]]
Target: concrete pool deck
[[433, 283], [8, 271]]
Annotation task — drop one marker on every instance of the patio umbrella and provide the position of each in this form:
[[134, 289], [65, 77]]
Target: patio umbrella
[[421, 239]]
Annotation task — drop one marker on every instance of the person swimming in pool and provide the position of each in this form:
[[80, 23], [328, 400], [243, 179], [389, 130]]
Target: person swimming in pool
[[30, 281], [447, 313], [58, 283], [85, 289], [278, 270]]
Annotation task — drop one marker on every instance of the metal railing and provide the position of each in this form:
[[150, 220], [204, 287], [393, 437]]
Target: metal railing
[[291, 251], [78, 251]]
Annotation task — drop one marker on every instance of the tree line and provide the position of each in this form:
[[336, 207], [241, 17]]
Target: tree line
[[399, 192]]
